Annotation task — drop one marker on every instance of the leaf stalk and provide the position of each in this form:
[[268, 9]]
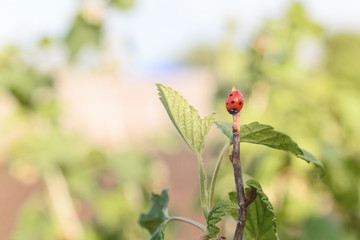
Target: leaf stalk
[[203, 186], [215, 174], [186, 220]]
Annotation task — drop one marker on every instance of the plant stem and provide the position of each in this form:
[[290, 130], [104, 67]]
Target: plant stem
[[214, 176], [63, 206], [203, 186], [189, 221], [240, 193]]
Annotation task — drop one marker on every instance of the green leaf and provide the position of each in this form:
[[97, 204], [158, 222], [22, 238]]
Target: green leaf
[[219, 210], [266, 135], [185, 118], [258, 133], [233, 198], [157, 214], [307, 156], [260, 217]]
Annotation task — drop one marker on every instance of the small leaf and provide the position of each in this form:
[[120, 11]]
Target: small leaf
[[157, 213], [233, 198], [260, 217], [185, 118], [219, 210], [258, 133]]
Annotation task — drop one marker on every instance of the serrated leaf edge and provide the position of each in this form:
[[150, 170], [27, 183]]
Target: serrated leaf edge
[[226, 207], [203, 123], [163, 209], [264, 198]]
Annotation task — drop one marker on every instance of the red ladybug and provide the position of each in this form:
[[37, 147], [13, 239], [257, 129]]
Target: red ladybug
[[234, 102]]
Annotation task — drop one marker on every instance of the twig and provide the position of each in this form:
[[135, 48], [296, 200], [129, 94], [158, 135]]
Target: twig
[[240, 193]]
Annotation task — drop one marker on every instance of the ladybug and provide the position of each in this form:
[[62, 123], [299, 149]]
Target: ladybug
[[234, 102]]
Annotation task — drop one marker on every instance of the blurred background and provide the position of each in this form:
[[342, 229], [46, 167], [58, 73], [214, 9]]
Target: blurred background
[[84, 139]]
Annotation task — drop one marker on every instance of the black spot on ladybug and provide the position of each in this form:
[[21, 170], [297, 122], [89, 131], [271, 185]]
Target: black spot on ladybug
[[227, 103], [230, 94], [232, 101], [234, 109], [239, 103]]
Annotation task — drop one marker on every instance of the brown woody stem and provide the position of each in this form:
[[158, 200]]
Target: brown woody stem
[[240, 193]]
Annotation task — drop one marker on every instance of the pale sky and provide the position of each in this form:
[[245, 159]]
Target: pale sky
[[161, 29]]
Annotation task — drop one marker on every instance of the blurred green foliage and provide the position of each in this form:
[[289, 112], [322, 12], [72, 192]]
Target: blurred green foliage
[[15, 71], [107, 191], [107, 186], [83, 33], [294, 76], [87, 28], [343, 49], [123, 4]]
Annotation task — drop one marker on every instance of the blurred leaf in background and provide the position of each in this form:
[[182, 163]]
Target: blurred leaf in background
[[22, 81], [123, 4], [87, 27], [83, 32]]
